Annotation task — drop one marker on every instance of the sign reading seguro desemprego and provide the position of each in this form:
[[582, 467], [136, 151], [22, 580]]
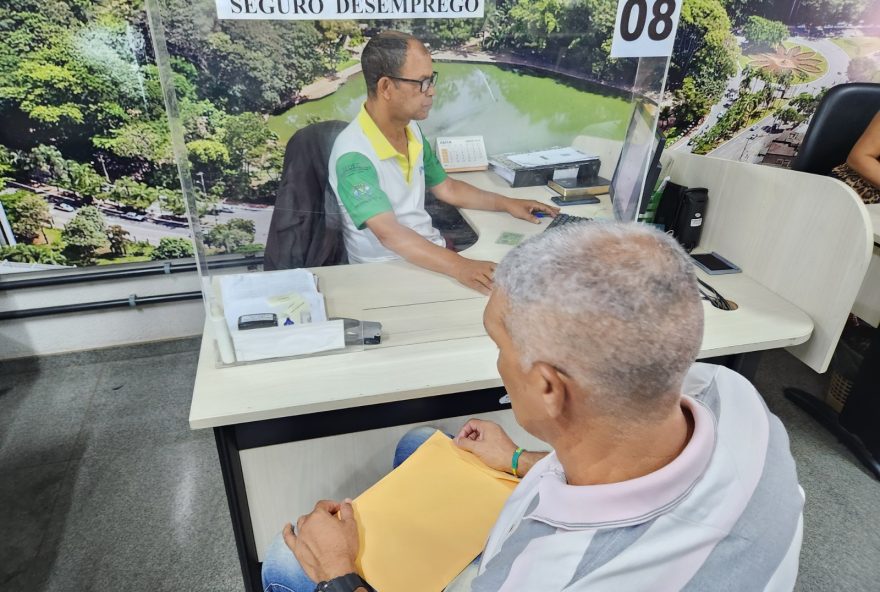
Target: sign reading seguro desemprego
[[348, 9]]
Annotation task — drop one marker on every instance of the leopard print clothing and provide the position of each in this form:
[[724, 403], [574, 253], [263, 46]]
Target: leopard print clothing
[[868, 193]]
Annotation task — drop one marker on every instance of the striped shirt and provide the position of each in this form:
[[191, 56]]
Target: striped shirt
[[726, 514]]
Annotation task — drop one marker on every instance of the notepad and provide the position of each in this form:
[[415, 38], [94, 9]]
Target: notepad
[[422, 524]]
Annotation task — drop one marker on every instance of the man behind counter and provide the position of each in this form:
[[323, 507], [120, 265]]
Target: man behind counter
[[381, 164]]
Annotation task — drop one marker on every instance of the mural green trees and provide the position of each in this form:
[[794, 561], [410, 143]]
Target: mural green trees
[[764, 32], [21, 253], [577, 35], [118, 237], [84, 235], [173, 248], [231, 235], [705, 49], [30, 216], [84, 111]]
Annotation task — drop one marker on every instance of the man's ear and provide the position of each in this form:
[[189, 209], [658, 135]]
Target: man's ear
[[383, 86], [551, 386]]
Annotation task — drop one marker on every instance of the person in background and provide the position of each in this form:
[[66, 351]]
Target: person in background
[[861, 171], [381, 165], [664, 474]]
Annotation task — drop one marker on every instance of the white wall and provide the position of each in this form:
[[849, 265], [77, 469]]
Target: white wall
[[82, 331]]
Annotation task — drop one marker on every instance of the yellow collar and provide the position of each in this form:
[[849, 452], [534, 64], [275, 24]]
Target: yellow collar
[[383, 147]]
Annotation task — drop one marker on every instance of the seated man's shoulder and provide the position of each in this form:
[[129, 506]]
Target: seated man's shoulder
[[353, 162]]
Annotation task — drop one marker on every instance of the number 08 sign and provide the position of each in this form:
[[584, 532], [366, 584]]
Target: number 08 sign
[[645, 28]]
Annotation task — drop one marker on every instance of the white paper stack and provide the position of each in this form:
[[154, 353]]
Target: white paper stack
[[554, 157], [292, 296]]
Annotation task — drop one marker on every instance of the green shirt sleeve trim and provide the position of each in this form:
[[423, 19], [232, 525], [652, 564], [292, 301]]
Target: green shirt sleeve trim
[[434, 171], [358, 188]]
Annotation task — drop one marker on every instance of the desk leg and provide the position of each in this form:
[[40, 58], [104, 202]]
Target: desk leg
[[233, 481], [856, 426], [861, 414]]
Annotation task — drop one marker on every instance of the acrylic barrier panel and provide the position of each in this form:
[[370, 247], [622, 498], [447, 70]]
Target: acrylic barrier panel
[[87, 174], [257, 104]]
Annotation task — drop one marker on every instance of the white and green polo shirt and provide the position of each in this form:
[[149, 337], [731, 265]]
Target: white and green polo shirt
[[370, 177]]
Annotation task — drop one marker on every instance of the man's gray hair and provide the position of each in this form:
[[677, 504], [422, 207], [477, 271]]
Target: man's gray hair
[[384, 55], [614, 306]]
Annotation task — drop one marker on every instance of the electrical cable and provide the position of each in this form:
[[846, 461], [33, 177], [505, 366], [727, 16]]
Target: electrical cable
[[715, 298]]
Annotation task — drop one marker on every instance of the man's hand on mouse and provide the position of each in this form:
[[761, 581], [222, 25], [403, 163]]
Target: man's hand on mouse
[[525, 209]]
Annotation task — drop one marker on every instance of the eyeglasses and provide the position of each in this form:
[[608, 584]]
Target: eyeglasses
[[424, 84]]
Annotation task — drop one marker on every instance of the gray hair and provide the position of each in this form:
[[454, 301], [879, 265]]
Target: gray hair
[[614, 306], [384, 55]]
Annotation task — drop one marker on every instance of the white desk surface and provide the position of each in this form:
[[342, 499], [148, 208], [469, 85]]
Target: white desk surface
[[433, 341]]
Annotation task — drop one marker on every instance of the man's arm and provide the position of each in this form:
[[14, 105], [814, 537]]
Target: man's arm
[[491, 444], [464, 195], [417, 250], [863, 157]]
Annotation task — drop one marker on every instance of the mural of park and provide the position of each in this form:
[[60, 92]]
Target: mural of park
[[87, 171]]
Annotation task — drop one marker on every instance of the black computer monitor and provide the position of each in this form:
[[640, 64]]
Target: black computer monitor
[[639, 161]]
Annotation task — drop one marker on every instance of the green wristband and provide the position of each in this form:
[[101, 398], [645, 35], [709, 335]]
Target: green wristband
[[514, 462]]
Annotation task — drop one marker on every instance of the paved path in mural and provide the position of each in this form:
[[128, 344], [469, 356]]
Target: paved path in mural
[[837, 59], [744, 146], [750, 142], [328, 85]]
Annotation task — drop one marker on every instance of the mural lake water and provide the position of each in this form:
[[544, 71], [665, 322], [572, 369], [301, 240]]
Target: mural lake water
[[513, 108]]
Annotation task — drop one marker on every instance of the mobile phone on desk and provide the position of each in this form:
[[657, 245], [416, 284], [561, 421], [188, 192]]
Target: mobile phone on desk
[[257, 321], [714, 264]]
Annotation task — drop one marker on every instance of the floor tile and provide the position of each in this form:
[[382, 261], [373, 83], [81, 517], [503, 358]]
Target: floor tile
[[99, 356], [42, 413], [153, 519], [27, 501], [140, 403]]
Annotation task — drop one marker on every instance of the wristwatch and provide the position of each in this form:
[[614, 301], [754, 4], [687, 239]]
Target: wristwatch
[[346, 583]]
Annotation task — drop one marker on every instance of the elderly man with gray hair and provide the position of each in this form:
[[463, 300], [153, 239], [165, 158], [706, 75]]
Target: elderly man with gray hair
[[665, 474]]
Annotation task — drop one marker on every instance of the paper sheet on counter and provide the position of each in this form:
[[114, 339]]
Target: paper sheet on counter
[[424, 522], [551, 157], [298, 340], [275, 292]]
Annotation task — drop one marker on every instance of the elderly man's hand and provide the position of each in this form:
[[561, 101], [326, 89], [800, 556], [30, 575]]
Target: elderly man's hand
[[326, 540], [488, 441], [476, 274], [525, 209]]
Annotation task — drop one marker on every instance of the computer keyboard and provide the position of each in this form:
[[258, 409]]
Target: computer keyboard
[[563, 219]]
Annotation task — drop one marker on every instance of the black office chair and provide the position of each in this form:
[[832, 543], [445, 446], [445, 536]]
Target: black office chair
[[839, 121], [842, 116], [306, 227]]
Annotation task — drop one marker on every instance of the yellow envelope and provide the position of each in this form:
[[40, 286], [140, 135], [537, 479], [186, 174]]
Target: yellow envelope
[[422, 524]]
